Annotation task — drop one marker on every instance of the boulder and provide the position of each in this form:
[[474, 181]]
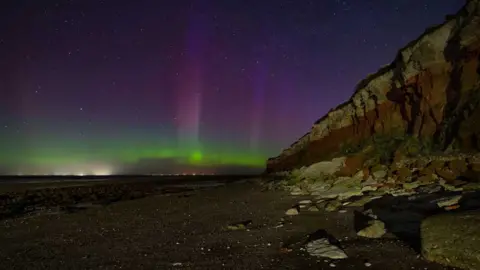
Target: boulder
[[319, 187], [403, 174], [432, 188], [363, 200], [458, 166], [321, 204], [436, 164], [426, 179], [297, 191], [292, 212], [412, 185], [304, 202], [381, 174], [471, 186], [343, 187], [323, 168], [332, 205], [446, 174], [449, 186], [352, 165], [401, 192], [375, 229], [349, 194], [369, 188], [412, 103], [323, 248], [452, 239], [449, 201]]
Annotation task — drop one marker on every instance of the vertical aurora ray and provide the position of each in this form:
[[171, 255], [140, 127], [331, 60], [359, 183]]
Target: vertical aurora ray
[[259, 84], [190, 89], [189, 111]]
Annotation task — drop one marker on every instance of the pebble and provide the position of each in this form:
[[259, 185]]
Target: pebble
[[332, 265], [367, 264]]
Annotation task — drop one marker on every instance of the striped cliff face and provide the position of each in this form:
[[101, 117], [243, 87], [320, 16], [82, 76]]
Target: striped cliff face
[[431, 90]]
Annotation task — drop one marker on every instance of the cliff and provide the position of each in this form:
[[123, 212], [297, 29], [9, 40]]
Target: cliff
[[430, 92]]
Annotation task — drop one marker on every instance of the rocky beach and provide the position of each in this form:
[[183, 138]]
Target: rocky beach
[[403, 150], [429, 204], [240, 225], [390, 179]]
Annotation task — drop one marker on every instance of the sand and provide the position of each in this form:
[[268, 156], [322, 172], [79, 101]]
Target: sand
[[187, 230]]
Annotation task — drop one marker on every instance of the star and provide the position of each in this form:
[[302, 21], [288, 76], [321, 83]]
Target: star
[[223, 75]]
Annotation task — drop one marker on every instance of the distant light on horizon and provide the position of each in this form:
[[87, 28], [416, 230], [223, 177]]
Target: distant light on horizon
[[195, 101], [85, 169], [103, 172]]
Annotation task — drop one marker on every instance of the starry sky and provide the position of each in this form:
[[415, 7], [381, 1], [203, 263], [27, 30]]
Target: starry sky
[[212, 86]]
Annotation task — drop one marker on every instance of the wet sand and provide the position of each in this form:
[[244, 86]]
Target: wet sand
[[187, 230]]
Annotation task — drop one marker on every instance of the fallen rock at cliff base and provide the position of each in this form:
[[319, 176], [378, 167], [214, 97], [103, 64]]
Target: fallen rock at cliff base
[[333, 206], [449, 201], [323, 248], [292, 212], [405, 109], [375, 229], [318, 169], [296, 191], [319, 187], [452, 239], [363, 200], [305, 202]]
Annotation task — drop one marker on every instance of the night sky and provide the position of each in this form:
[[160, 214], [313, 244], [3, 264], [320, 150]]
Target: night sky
[[154, 86]]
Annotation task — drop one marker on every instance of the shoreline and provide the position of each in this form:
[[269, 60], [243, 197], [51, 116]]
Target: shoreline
[[17, 199]]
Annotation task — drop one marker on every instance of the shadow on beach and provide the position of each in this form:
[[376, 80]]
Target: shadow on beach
[[403, 215]]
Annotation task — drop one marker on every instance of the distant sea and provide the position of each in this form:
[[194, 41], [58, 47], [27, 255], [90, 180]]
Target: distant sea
[[175, 180]]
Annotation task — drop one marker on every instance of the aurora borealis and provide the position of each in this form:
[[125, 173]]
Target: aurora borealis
[[114, 86]]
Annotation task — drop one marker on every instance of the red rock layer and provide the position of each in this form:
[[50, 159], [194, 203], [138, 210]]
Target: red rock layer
[[439, 101]]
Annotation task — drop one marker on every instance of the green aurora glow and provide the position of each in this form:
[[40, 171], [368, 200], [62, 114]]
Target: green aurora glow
[[56, 153]]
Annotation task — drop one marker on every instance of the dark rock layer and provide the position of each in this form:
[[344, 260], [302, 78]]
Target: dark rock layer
[[431, 90]]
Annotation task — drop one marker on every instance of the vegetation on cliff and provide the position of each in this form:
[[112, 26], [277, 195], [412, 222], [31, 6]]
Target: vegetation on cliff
[[427, 101]]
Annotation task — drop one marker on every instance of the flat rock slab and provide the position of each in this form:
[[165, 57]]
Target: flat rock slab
[[452, 239], [323, 248], [376, 229]]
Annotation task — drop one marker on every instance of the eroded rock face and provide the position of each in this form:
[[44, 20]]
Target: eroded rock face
[[431, 90]]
